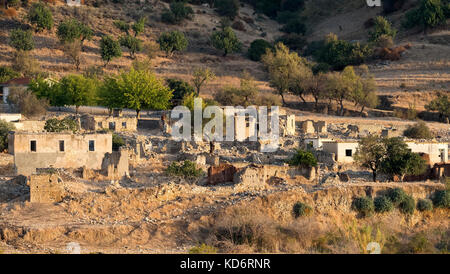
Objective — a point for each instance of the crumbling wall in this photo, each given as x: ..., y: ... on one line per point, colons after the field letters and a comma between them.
x: 115, y: 165
x: 118, y: 124
x: 46, y: 188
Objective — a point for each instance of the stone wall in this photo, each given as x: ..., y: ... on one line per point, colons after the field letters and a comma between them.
x: 46, y: 188
x: 119, y: 124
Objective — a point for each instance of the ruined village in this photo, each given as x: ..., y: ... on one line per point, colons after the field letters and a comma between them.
x: 112, y: 178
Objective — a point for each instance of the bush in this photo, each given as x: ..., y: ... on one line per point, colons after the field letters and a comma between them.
x: 258, y: 48
x: 64, y: 125
x: 5, y: 128
x: 293, y: 41
x: 363, y: 205
x: 117, y: 142
x: 295, y: 26
x: 133, y: 44
x: 21, y: 40
x: 418, y: 131
x: 429, y: 14
x: 303, y: 158
x: 177, y: 13
x: 109, y: 49
x: 7, y: 73
x: 340, y: 53
x: 26, y: 102
x: 385, y: 41
x: 383, y: 204
x: 172, y: 41
x: 396, y: 195
x: 228, y: 8
x: 203, y: 249
x: 26, y: 64
x: 300, y: 209
x: 226, y: 40
x: 424, y: 205
x: 442, y: 199
x: 382, y: 27
x: 40, y: 16
x: 407, y: 205
x: 187, y: 169
x: 180, y: 88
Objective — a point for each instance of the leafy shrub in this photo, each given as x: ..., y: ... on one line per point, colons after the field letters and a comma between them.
x: 419, y: 243
x: 7, y: 73
x: 363, y: 205
x: 172, y: 41
x: 424, y: 205
x: 294, y: 41
x: 133, y: 44
x: 21, y: 40
x: 418, y: 131
x: 5, y: 128
x: 303, y: 158
x: 109, y: 49
x: 295, y: 26
x: 340, y: 53
x: 26, y: 64
x: 300, y: 209
x: 177, y: 13
x: 429, y: 14
x: 117, y: 142
x: 383, y: 204
x: 385, y: 41
x: 56, y: 125
x: 396, y: 195
x: 228, y: 8
x: 442, y: 199
x: 186, y: 169
x: 382, y: 27
x: 26, y: 102
x: 226, y: 40
x: 40, y: 16
x: 258, y: 48
x: 203, y: 249
x: 180, y: 88
x: 407, y: 205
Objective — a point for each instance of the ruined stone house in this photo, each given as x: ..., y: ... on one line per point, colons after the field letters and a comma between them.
x: 343, y: 150
x: 57, y: 150
x: 5, y: 87
x: 114, y: 123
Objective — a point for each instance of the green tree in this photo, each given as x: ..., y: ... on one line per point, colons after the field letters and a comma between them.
x: 303, y: 158
x: 429, y: 14
x: 364, y: 92
x: 228, y: 8
x: 49, y: 90
x: 109, y: 94
x: 284, y: 68
x: 5, y: 128
x: 226, y: 40
x: 40, y: 17
x: 244, y: 95
x: 21, y: 40
x: 109, y: 49
x: 139, y: 26
x: 400, y: 160
x: 258, y: 48
x: 200, y: 77
x: 370, y: 153
x: 340, y: 53
x: 172, y: 41
x: 78, y: 90
x: 132, y: 43
x: 441, y: 104
x: 177, y: 13
x: 71, y: 29
x: 180, y: 89
x: 382, y: 27
x: 140, y: 89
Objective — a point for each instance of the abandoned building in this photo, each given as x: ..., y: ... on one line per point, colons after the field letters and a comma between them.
x: 57, y: 150
x: 311, y: 127
x: 114, y: 123
x: 74, y: 3
x: 343, y: 150
x: 438, y: 152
